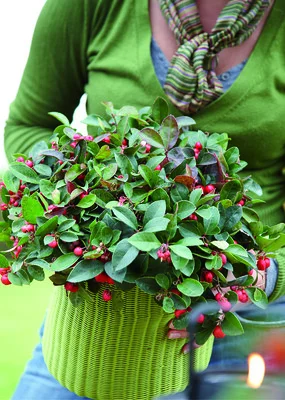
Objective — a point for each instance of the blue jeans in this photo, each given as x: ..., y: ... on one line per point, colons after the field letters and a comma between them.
x: 37, y: 383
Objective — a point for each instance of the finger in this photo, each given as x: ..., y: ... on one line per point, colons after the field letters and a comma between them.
x: 171, y: 326
x: 177, y: 334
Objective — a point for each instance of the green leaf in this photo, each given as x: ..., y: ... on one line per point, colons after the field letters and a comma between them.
x: 191, y: 287
x: 169, y: 132
x: 148, y: 285
x: 160, y: 110
x: 31, y: 209
x: 15, y: 279
x: 76, y: 298
x: 36, y: 272
x: 168, y: 305
x: 178, y: 262
x: 74, y: 172
x: 65, y: 225
x: 185, y: 208
x: 156, y: 225
x: 87, y: 201
x: 43, y: 169
x: 4, y: 262
x: 145, y: 241
x: 104, y: 153
x: 63, y: 262
x: 211, y: 224
x: 85, y: 270
x: 155, y: 210
x: 123, y: 255
x: 41, y: 263
x: 148, y: 175
x: 118, y: 276
x: 231, y: 325
x: 184, y: 121
x: 24, y: 173
x: 110, y: 171
x: 163, y: 281
x: 152, y: 137
x: 230, y: 190
x: 181, y: 251
x: 11, y: 182
x: 68, y: 237
x: 126, y: 216
x: 232, y: 155
x: 60, y: 117
x: 220, y: 244
x: 229, y: 217
x: 179, y: 192
x: 191, y: 241
x: 46, y: 188
x: 96, y: 120
x: 271, y: 244
x: 236, y: 253
x: 48, y: 227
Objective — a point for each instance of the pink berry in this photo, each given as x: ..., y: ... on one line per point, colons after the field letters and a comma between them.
x: 71, y: 287
x: 53, y: 244
x: 20, y: 159
x: 73, y: 144
x: 106, y: 295
x: 29, y: 163
x: 3, y: 207
x: 201, y: 319
x: 89, y: 138
x: 30, y: 228
x: 251, y: 272
x: 78, y: 251
x: 106, y: 140
x: 240, y: 203
x: 223, y: 258
x: 218, y: 333
x: 147, y: 148
x: 158, y: 167
x: 77, y: 136
x: 196, y: 153
x: 24, y: 229
x: 5, y: 280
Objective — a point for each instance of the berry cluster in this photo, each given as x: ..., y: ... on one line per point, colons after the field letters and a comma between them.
x: 164, y: 253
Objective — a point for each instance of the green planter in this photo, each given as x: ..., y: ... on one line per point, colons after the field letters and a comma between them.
x: 103, y: 354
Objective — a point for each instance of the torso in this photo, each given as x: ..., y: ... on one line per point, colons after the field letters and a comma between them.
x: 228, y: 57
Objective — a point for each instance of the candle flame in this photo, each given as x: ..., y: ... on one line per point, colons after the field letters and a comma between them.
x: 256, y: 370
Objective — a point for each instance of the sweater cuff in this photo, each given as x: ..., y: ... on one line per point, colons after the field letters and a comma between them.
x: 279, y: 289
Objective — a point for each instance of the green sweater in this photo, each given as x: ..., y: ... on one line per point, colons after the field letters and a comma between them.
x: 102, y: 48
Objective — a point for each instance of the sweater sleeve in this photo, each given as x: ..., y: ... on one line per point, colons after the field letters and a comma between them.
x: 54, y: 76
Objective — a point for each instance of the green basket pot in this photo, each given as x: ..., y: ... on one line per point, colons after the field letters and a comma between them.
x: 97, y: 352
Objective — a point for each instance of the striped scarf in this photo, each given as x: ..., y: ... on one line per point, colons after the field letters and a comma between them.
x: 191, y: 82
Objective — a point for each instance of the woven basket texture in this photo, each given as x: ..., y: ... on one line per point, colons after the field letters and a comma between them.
x: 104, y: 354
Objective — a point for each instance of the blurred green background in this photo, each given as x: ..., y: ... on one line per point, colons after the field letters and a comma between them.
x: 22, y: 312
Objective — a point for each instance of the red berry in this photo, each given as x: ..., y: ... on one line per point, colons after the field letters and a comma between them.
x: 124, y: 142
x: 4, y: 271
x: 208, y: 276
x: 3, y: 207
x: 218, y: 296
x: 244, y: 298
x: 147, y: 148
x: 208, y: 189
x: 104, y: 278
x: 224, y: 258
x: 30, y: 228
x: 193, y: 217
x: 267, y: 261
x: 158, y: 167
x: 175, y: 291
x: 251, y: 271
x: 71, y: 287
x: 78, y: 251
x: 261, y: 264
x: 218, y: 333
x: 5, y: 280
x: 106, y: 295
x: 53, y: 244
x: 198, y: 146
x: 196, y: 153
x: 73, y: 144
x: 121, y: 176
x: 178, y: 313
x: 106, y: 140
x: 24, y: 229
x: 201, y: 319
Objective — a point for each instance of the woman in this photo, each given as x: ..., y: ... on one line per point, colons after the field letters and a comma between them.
x: 232, y: 81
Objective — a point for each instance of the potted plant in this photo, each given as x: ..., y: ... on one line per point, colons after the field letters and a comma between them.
x: 134, y: 224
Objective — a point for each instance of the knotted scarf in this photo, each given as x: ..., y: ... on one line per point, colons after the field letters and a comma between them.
x: 191, y: 81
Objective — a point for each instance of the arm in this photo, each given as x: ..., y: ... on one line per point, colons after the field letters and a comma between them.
x: 55, y: 74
